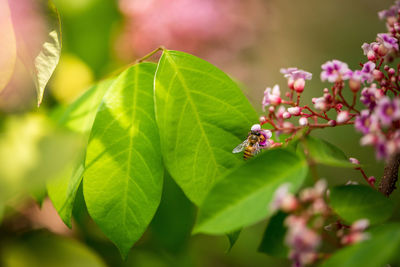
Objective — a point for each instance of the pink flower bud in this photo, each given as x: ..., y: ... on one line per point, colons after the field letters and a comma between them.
x: 271, y: 109
x: 303, y: 121
x: 360, y: 225
x: 391, y: 71
x: 287, y: 94
x: 275, y: 100
x: 371, y: 180
x: 354, y: 161
x: 342, y: 117
x: 295, y: 111
x: 378, y: 75
x: 371, y: 55
x: 299, y: 84
x: 291, y: 83
x: 332, y: 123
x: 326, y: 91
x: 263, y: 119
x: 289, y: 203
x: 354, y: 85
x: 286, y: 115
x: 382, y: 50
x: 256, y: 127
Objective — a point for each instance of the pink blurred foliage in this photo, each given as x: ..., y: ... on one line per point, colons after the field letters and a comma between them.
x: 29, y: 32
x: 201, y: 27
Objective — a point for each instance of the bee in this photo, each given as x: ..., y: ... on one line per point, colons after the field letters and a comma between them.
x: 251, y: 145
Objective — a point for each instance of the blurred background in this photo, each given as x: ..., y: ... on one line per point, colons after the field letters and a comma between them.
x: 250, y: 40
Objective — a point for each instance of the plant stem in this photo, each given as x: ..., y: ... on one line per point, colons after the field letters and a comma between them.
x: 390, y: 175
x: 161, y: 48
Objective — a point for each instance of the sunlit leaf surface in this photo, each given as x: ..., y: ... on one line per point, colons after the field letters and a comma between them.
x: 122, y: 183
x: 202, y: 115
x: 243, y: 197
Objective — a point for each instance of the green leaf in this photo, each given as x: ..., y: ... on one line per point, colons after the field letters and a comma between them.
x: 173, y: 222
x: 232, y: 238
x: 274, y: 235
x: 79, y: 117
x: 325, y: 153
x: 45, y: 250
x: 243, y: 197
x: 202, y: 115
x: 354, y: 202
x: 42, y: 65
x: 122, y: 183
x: 381, y: 249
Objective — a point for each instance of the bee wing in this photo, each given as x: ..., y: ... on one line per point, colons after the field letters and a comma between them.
x: 257, y: 149
x: 241, y: 147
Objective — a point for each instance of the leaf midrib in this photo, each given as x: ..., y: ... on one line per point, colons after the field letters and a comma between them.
x: 195, y: 111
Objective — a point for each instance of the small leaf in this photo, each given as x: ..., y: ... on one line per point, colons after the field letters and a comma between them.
x: 79, y: 117
x: 202, y: 115
x: 122, y: 183
x: 354, y: 202
x: 232, y: 238
x: 46, y: 61
x: 8, y: 51
x: 274, y: 236
x: 381, y: 249
x: 325, y: 153
x: 243, y: 197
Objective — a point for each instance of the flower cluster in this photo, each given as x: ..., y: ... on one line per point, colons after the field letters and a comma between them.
x: 379, y: 122
x: 376, y: 86
x: 281, y: 110
x: 308, y: 215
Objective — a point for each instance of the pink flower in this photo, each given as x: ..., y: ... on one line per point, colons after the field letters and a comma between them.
x: 335, y: 71
x: 369, y: 50
x: 296, y: 78
x: 388, y: 110
x: 354, y: 161
x: 272, y: 96
x: 388, y: 41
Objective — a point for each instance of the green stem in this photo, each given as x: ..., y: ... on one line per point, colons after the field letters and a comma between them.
x: 161, y: 48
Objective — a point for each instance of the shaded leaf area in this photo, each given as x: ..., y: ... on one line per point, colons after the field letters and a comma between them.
x: 37, y: 40
x: 202, y: 115
x: 381, y: 249
x: 79, y: 117
x: 33, y: 250
x: 244, y: 196
x: 32, y: 151
x: 122, y: 183
x: 273, y: 239
x: 172, y: 224
x: 323, y: 152
x: 354, y: 202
